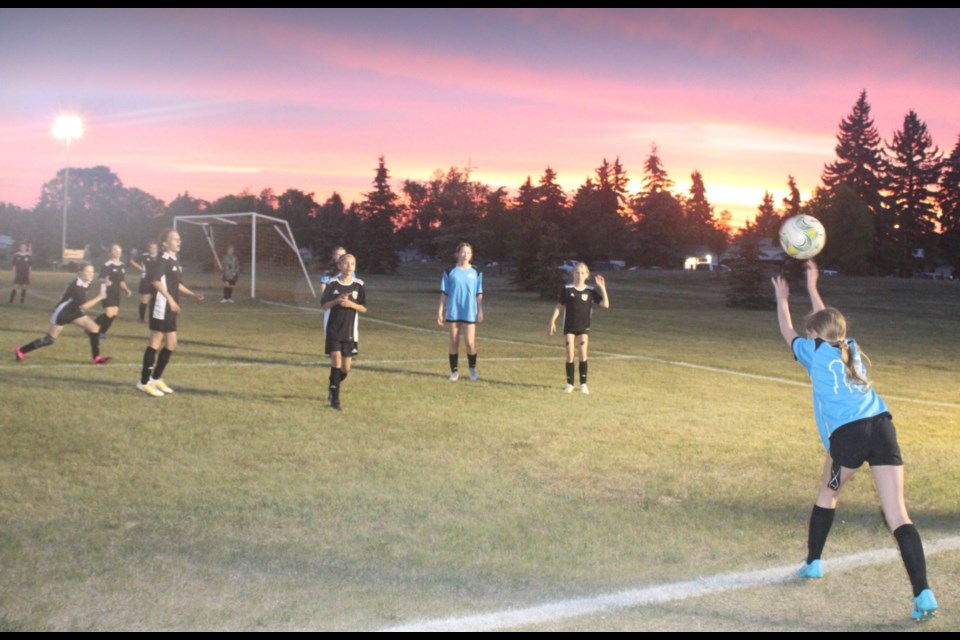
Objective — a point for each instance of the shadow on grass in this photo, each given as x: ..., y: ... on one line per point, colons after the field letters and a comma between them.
x: 442, y: 377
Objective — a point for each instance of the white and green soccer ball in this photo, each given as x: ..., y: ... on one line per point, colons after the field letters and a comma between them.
x: 802, y: 237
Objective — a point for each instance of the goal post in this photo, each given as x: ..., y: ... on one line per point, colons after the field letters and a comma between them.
x: 268, y: 251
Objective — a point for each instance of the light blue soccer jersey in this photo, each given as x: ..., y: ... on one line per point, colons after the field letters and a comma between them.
x: 327, y: 278
x: 462, y: 287
x: 836, y: 401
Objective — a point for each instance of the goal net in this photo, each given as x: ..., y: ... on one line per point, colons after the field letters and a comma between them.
x: 271, y: 266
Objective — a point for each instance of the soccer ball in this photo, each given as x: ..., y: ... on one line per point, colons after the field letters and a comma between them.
x: 802, y: 237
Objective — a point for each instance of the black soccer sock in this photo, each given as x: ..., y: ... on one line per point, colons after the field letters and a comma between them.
x: 472, y: 360
x: 45, y: 341
x: 149, y: 357
x: 226, y: 293
x: 569, y: 373
x: 821, y: 520
x: 106, y: 323
x: 94, y: 344
x: 162, y: 359
x: 23, y: 295
x: 335, y: 374
x: 101, y: 320
x: 454, y: 360
x: 583, y: 372
x: 911, y: 550
x: 343, y: 375
x: 13, y: 295
x: 143, y: 310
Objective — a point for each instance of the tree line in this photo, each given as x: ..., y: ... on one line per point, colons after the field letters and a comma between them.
x: 883, y: 204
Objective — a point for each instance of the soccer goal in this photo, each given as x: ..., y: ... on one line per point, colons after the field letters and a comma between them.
x: 271, y: 265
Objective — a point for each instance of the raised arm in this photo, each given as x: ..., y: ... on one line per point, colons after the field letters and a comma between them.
x: 602, y: 285
x: 782, y: 291
x: 813, y: 274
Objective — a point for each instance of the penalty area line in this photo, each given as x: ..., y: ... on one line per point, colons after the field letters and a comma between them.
x: 671, y: 592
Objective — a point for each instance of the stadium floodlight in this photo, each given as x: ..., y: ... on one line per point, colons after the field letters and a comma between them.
x: 66, y: 127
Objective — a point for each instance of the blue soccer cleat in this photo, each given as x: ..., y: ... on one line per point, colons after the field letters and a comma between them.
x: 811, y: 570
x: 924, y: 606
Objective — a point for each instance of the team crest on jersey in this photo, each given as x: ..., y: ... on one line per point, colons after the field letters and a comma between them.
x: 354, y: 294
x: 584, y: 296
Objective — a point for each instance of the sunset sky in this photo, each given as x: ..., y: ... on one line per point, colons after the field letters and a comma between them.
x: 214, y: 102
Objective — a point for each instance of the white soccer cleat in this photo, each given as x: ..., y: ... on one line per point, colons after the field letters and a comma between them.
x: 149, y: 389
x: 454, y: 376
x: 583, y: 389
x: 568, y: 388
x: 161, y: 385
x: 474, y: 376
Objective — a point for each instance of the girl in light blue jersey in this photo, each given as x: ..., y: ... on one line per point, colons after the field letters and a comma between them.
x: 855, y: 427
x: 333, y: 270
x: 461, y: 307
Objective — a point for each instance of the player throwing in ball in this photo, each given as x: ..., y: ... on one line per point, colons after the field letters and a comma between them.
x: 855, y: 427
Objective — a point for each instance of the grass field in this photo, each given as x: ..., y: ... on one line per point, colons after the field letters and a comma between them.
x: 242, y: 502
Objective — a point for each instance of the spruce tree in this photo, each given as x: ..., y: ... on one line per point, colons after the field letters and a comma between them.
x: 860, y: 162
x: 749, y: 283
x: 377, y: 253
x: 948, y: 199
x: 860, y: 165
x: 913, y: 173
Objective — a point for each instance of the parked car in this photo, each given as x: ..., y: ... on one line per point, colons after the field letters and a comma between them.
x: 608, y: 265
x: 706, y: 266
x: 567, y: 266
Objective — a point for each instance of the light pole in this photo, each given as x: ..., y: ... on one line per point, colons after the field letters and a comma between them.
x: 66, y: 128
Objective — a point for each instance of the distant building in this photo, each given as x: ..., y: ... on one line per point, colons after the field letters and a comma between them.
x: 769, y: 249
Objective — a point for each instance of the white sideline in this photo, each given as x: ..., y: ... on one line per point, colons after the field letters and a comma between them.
x: 623, y: 356
x: 562, y: 609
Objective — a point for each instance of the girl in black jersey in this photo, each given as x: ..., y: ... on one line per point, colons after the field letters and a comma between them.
x: 21, y: 273
x: 72, y: 309
x: 145, y: 265
x: 342, y: 299
x: 164, y: 308
x: 113, y: 281
x: 576, y: 302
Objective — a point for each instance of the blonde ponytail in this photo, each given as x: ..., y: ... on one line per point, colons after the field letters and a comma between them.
x: 830, y: 325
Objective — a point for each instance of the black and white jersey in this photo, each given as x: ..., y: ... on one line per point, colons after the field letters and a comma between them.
x: 148, y: 261
x: 167, y: 271
x: 578, y: 307
x: 112, y: 274
x: 340, y: 323
x: 21, y: 268
x: 70, y: 305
